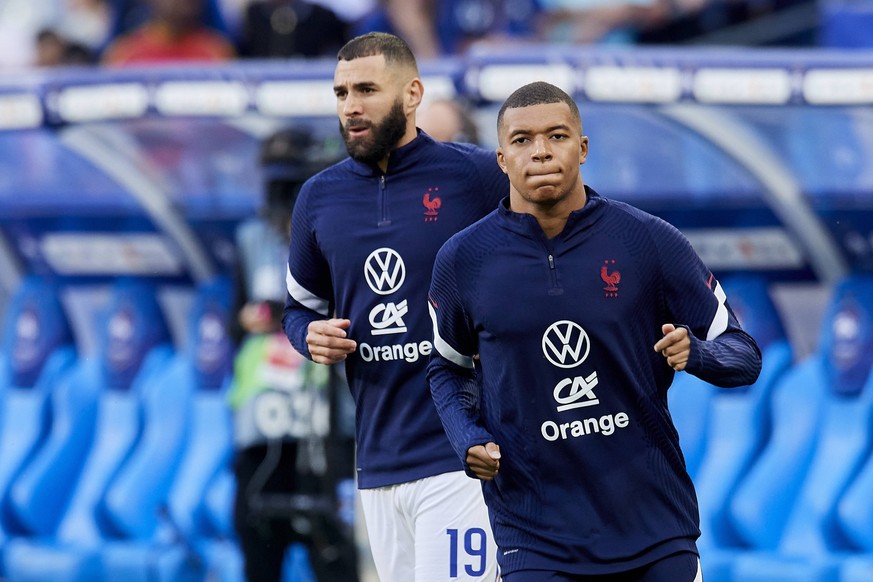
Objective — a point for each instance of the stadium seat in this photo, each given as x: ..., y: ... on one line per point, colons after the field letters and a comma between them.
x: 37, y: 352
x: 855, y: 514
x: 104, y: 403
x: 170, y: 548
x: 738, y: 425
x: 823, y: 414
x: 222, y: 554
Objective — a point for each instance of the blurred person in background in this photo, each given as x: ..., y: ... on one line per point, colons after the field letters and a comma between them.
x: 55, y: 50
x: 448, y: 27
x: 20, y: 24
x: 50, y: 48
x: 174, y: 31
x: 290, y: 28
x: 600, y: 21
x: 735, y: 22
x: 128, y: 15
x: 294, y: 452
x: 85, y: 23
x: 449, y: 120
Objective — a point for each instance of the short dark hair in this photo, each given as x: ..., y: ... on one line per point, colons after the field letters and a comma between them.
x: 537, y: 93
x: 393, y: 48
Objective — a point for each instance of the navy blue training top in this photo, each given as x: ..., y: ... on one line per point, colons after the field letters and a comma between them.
x: 592, y: 480
x: 362, y: 247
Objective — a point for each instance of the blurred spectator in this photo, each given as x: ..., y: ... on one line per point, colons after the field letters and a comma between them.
x: 85, y: 23
x: 173, y: 32
x: 348, y: 10
x: 736, y: 22
x: 54, y: 50
x: 78, y: 54
x: 128, y: 15
x: 291, y: 28
x: 446, y: 27
x: 600, y: 21
x: 20, y: 23
x: 448, y: 120
x: 50, y: 47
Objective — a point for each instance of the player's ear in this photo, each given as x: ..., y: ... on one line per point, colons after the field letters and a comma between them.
x: 583, y: 149
x: 413, y: 94
x: 501, y: 160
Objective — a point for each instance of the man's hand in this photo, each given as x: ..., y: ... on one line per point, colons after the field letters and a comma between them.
x: 484, y: 460
x: 327, y: 341
x: 675, y: 346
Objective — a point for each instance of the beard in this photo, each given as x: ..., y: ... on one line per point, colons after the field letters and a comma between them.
x: 382, y: 139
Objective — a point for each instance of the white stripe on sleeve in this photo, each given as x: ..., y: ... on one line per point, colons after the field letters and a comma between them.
x: 444, y: 349
x: 720, y: 320
x: 305, y: 297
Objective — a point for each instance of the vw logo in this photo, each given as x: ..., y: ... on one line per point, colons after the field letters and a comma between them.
x: 384, y: 271
x: 565, y: 344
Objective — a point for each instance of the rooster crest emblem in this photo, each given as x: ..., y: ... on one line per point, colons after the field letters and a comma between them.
x: 431, y: 205
x: 611, y: 279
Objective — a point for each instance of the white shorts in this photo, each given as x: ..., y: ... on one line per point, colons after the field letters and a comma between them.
x: 435, y: 529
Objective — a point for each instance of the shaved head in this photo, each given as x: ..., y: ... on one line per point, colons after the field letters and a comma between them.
x: 394, y: 49
x: 538, y: 93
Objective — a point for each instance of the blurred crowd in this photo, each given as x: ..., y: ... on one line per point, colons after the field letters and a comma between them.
x: 48, y: 33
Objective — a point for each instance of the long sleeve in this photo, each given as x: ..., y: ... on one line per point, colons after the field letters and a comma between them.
x: 732, y: 359
x: 721, y: 352
x: 307, y: 278
x: 451, y: 372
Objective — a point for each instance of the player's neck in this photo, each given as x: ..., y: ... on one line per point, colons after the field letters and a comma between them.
x: 551, y: 215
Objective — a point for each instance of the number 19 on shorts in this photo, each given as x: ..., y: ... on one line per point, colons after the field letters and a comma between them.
x: 468, y: 550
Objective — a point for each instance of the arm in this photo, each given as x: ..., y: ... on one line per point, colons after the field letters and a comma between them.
x: 306, y: 317
x: 702, y: 336
x: 728, y: 361
x: 414, y: 21
x: 452, y: 377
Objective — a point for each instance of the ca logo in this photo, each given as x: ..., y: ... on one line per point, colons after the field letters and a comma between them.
x: 388, y: 318
x: 579, y: 387
x: 565, y: 344
x: 384, y: 271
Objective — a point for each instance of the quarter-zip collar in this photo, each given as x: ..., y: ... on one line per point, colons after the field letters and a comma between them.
x: 527, y: 226
x: 398, y: 160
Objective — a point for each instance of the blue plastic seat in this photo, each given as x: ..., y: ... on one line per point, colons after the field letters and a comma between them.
x: 739, y: 425
x: 855, y: 515
x: 171, y: 548
x: 103, y: 404
x: 37, y: 352
x: 823, y: 411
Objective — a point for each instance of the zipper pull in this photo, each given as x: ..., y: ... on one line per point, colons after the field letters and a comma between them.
x: 551, y: 262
